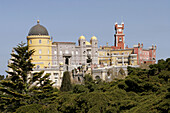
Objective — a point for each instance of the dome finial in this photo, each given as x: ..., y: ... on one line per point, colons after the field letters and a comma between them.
x: 38, y: 21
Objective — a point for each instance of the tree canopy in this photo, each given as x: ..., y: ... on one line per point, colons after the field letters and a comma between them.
x: 143, y: 90
x: 21, y: 87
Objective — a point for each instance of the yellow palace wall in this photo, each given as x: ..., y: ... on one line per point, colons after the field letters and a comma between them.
x: 113, y: 57
x: 43, y: 51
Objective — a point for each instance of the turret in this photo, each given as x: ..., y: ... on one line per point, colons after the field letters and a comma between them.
x: 119, y: 36
x: 83, y: 53
x: 82, y: 41
x: 39, y: 40
x: 94, y: 43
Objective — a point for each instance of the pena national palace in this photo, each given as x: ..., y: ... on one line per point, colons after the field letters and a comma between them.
x: 101, y: 62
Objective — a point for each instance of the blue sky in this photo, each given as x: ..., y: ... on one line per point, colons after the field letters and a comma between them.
x: 146, y: 21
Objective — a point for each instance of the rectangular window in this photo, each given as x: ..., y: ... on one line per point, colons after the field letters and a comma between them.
x: 56, y: 74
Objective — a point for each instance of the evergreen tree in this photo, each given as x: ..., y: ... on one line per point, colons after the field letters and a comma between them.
x: 66, y: 82
x: 19, y: 86
x: 16, y: 86
x: 1, y: 77
x: 42, y: 89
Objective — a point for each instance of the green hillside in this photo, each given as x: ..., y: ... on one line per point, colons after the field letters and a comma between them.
x: 142, y: 91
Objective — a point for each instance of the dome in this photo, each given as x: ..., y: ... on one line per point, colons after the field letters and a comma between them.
x: 61, y: 63
x: 38, y: 30
x: 93, y: 38
x: 82, y: 37
x: 88, y: 43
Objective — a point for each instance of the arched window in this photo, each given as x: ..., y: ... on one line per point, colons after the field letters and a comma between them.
x: 76, y: 52
x: 119, y: 30
x: 120, y: 39
x: 60, y: 52
x: 40, y: 51
x: 38, y: 66
x: 48, y: 52
x: 55, y: 52
x: 96, y: 53
x: 97, y: 77
x: 66, y: 52
x: 30, y: 41
x: 39, y: 41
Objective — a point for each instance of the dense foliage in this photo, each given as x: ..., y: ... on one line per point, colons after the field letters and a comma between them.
x: 21, y: 88
x: 143, y: 90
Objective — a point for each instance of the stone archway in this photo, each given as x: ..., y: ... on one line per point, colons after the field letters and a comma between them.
x: 97, y: 77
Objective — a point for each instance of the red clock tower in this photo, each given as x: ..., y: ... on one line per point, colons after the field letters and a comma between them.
x: 119, y: 36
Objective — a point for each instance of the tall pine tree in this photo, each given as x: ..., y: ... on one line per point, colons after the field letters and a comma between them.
x: 66, y: 82
x: 21, y: 85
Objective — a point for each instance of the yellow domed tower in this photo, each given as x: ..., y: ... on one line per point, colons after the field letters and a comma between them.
x: 39, y: 40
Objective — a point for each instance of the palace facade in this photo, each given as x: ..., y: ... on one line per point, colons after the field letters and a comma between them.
x: 121, y: 55
x: 57, y: 57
